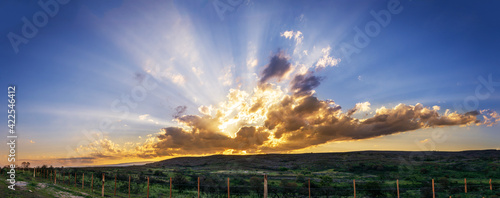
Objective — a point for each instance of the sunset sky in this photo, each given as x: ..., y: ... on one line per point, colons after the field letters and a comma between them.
x: 125, y: 81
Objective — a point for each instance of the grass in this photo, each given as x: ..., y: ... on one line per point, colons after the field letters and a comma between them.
x: 379, y: 169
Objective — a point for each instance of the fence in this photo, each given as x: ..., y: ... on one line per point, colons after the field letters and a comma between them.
x: 128, y: 186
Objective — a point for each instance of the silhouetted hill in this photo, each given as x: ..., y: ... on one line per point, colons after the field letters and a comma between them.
x: 323, y: 161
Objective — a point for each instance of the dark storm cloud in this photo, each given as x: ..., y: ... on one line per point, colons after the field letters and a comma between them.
x: 303, y: 84
x: 277, y: 67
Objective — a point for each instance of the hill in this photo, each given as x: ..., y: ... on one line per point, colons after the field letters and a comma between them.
x: 339, y: 161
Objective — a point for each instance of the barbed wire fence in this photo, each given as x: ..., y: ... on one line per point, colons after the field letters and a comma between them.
x: 106, y: 183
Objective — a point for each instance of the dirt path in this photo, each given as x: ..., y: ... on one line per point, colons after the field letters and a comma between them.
x: 58, y: 193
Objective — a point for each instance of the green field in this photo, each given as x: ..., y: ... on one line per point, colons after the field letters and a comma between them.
x: 289, y: 175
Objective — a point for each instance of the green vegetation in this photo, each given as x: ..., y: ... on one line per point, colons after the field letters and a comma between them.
x: 327, y: 174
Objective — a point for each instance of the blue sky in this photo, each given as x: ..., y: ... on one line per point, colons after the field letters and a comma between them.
x: 92, y: 54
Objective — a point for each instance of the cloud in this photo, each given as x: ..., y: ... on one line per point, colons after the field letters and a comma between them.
x: 100, y: 148
x: 277, y: 68
x: 197, y: 71
x: 270, y: 118
x: 303, y: 84
x: 175, y: 78
x: 320, y: 123
x: 144, y: 117
x: 437, y: 108
x: 287, y: 34
x: 227, y: 78
x: 327, y: 60
x: 252, y: 63
x: 176, y: 140
x: 296, y: 35
x: 490, y: 117
x: 363, y: 107
x: 298, y: 121
x: 205, y: 110
x: 179, y: 110
x: 424, y: 141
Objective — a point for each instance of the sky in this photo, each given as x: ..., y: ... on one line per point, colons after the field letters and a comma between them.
x: 118, y: 82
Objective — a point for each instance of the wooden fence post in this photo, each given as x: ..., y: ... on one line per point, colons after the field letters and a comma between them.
x: 397, y: 184
x: 75, y: 179
x: 55, y: 177
x: 148, y: 188
x: 491, y: 187
x: 228, y: 191
x: 34, y: 171
x: 354, y: 184
x: 102, y: 184
x: 170, y: 187
x: 309, y: 187
x: 114, y: 193
x: 198, y: 187
x: 465, y: 184
x: 433, y: 192
x: 92, y: 184
x: 83, y: 179
x: 265, y: 186
x: 128, y: 186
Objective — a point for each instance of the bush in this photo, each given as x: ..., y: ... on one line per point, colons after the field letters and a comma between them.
x: 180, y: 182
x: 158, y: 173
x: 373, y: 189
x: 257, y: 184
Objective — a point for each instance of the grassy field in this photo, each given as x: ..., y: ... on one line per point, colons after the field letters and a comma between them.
x: 327, y: 174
